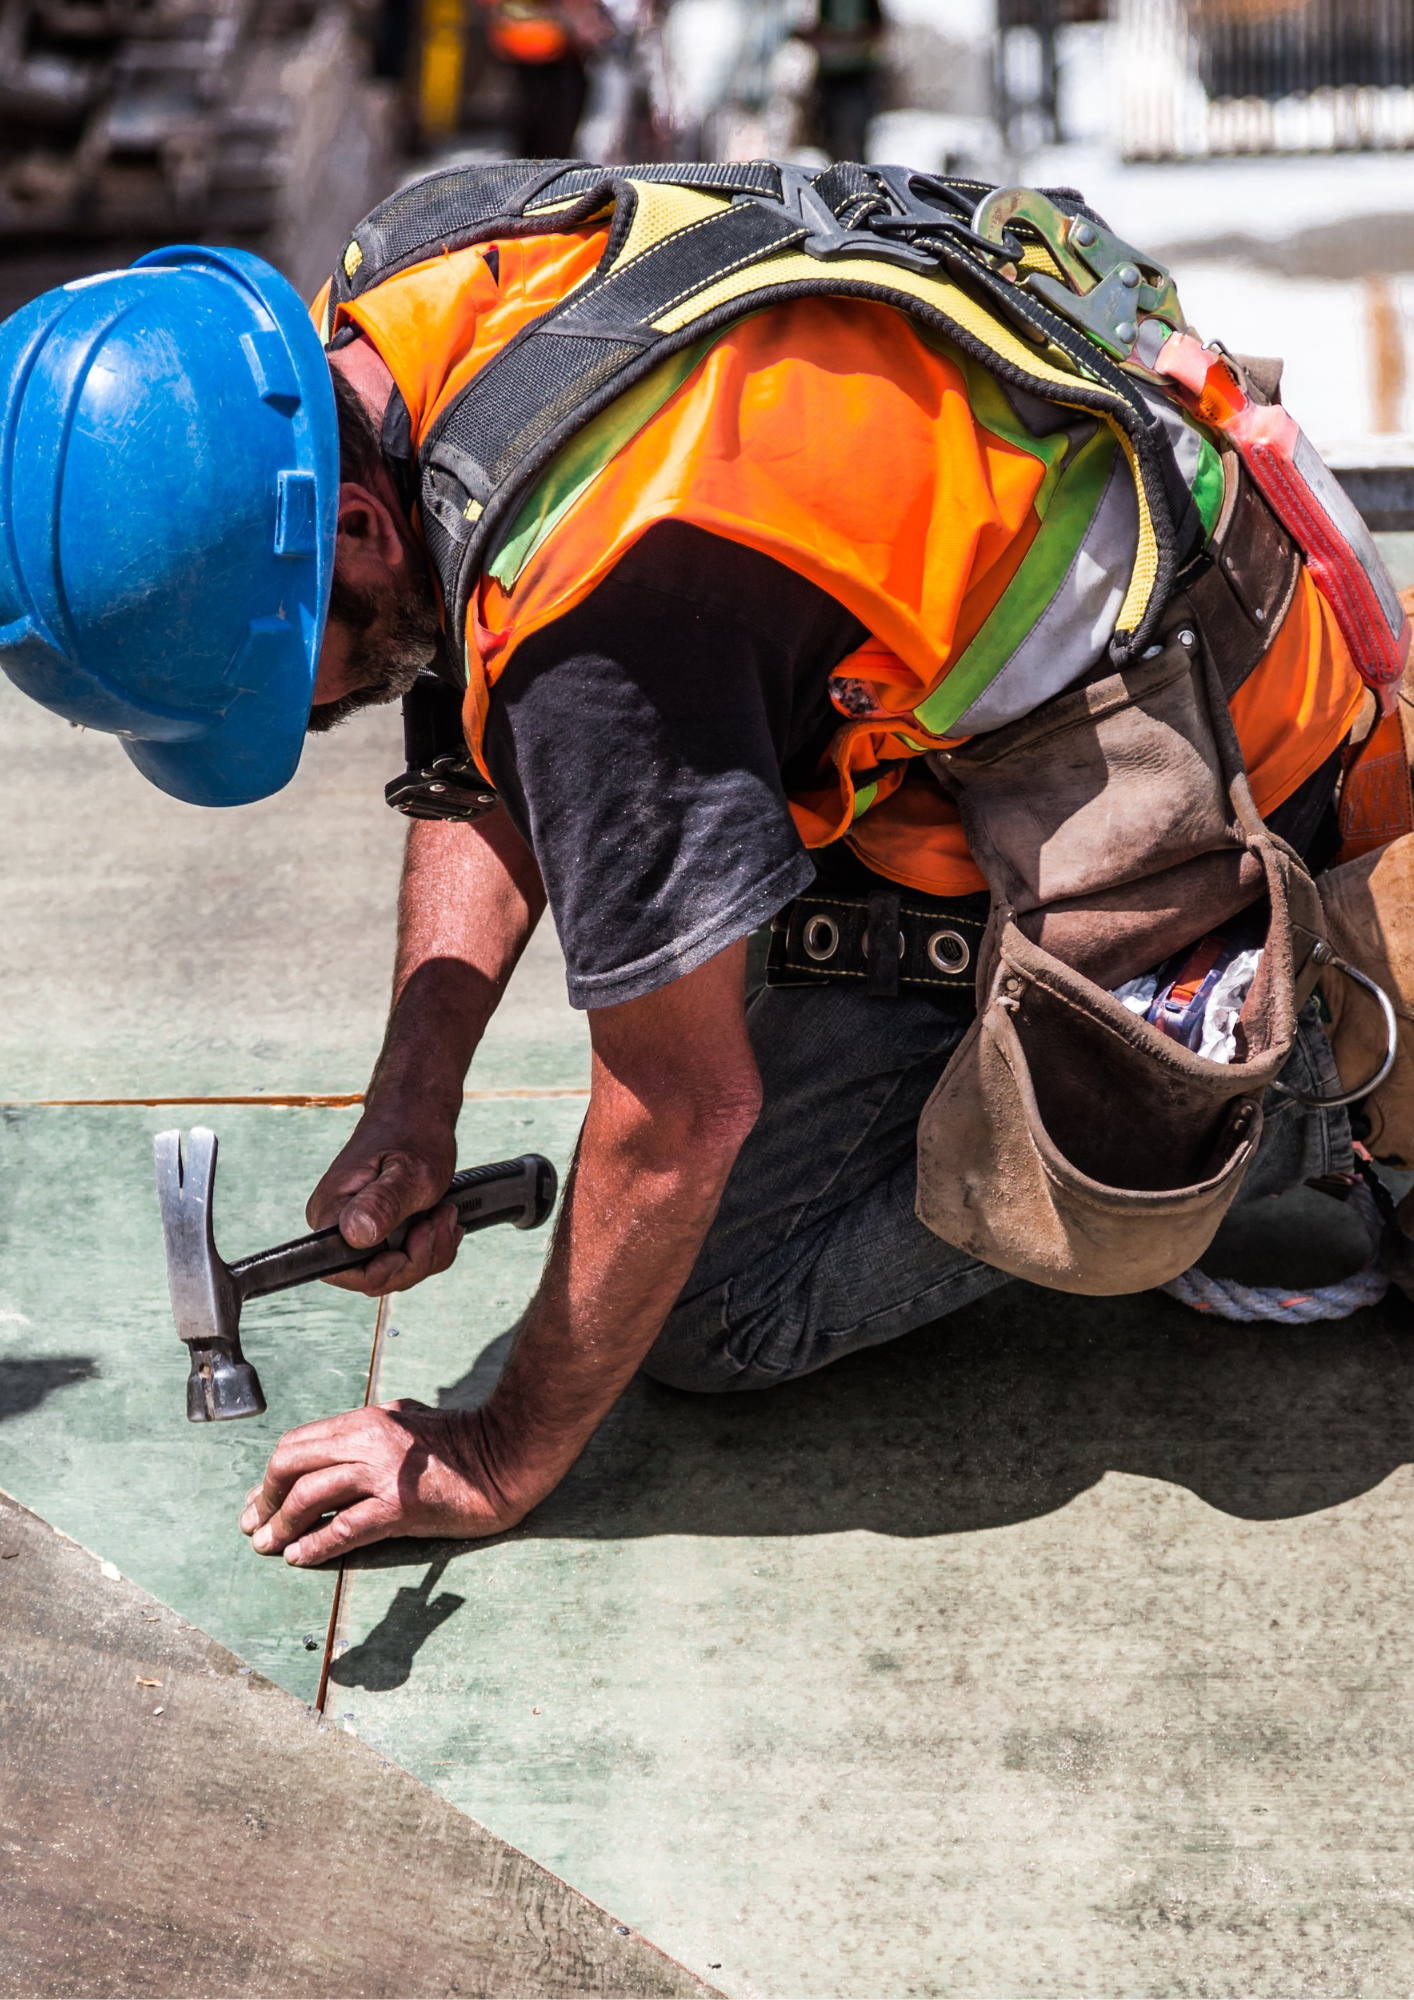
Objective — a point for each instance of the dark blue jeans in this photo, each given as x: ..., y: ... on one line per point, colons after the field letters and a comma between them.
x: 816, y: 1250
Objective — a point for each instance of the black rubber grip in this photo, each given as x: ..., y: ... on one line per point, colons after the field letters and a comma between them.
x: 519, y: 1191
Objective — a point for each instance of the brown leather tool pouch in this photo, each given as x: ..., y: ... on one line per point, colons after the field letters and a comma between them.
x: 1068, y: 1141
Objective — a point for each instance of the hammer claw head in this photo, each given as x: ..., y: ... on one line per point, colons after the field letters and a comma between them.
x: 205, y: 1302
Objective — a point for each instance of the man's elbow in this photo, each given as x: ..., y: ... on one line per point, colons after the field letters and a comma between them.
x: 723, y: 1121
x: 695, y: 1131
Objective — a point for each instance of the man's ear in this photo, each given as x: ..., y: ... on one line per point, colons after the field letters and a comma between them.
x: 370, y: 548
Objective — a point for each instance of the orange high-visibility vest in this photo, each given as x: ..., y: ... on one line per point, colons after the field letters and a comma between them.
x: 833, y: 436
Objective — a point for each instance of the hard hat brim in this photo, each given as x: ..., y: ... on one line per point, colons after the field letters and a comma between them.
x: 255, y: 749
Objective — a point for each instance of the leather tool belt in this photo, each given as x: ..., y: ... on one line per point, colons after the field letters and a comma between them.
x: 1237, y: 596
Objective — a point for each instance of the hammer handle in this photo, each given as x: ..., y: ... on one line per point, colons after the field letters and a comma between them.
x: 520, y: 1191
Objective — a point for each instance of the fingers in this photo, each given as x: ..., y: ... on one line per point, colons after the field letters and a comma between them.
x: 397, y: 1468
x: 408, y: 1176
x: 429, y: 1247
x: 345, y: 1177
x: 402, y: 1186
x: 354, y: 1528
x: 308, y: 1500
x: 329, y: 1441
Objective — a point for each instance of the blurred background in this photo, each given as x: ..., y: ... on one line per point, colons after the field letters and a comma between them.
x: 1264, y: 147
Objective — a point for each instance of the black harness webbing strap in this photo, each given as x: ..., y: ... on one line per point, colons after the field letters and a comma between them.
x: 460, y: 206
x: 490, y: 445
x: 449, y: 210
x: 485, y: 451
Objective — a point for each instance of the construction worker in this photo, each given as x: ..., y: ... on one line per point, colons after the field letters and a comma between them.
x: 740, y: 597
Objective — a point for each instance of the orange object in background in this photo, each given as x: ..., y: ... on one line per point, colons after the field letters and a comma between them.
x: 526, y: 31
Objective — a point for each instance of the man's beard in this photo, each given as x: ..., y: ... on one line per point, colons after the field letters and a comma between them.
x: 389, y: 643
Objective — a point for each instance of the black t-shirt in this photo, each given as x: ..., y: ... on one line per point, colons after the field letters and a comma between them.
x: 643, y: 745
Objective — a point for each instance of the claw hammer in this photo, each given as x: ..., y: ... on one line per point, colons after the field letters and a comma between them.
x: 208, y: 1293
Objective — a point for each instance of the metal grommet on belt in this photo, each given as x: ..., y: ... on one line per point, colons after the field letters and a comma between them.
x: 949, y: 951
x: 820, y: 938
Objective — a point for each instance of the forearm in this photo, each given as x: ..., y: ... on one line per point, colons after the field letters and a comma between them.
x: 642, y: 1195
x: 471, y: 896
x: 675, y: 1092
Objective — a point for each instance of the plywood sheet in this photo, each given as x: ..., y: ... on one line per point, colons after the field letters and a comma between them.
x: 93, y: 1429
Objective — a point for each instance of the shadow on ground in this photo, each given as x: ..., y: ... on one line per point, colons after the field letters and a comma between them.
x: 383, y: 1659
x: 26, y: 1383
x: 1004, y: 1412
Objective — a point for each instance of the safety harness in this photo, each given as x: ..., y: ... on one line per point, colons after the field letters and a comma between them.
x: 694, y: 248
x: 1029, y: 283
x: 1067, y: 1141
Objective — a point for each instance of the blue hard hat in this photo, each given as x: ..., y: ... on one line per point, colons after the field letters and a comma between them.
x: 169, y: 482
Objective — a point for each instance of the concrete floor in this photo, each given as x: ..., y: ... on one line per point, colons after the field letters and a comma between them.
x: 1063, y: 1649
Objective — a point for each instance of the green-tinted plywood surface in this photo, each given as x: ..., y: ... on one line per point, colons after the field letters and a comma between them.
x: 93, y: 1429
x: 1061, y: 1650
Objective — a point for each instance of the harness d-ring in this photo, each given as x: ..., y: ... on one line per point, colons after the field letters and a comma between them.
x: 1325, y: 956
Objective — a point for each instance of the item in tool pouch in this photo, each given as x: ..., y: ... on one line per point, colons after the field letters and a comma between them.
x: 1196, y: 996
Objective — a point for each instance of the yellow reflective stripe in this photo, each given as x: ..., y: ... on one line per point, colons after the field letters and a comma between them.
x: 864, y: 798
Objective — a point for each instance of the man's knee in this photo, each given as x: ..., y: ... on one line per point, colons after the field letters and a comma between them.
x: 693, y: 1351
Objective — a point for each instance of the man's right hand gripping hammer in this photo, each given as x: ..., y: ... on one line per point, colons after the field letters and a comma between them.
x: 208, y: 1293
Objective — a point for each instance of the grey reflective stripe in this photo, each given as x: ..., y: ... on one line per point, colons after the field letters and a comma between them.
x: 1072, y: 633
x: 1184, y: 440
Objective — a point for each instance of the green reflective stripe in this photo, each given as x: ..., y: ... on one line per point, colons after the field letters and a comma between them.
x: 1208, y: 486
x: 864, y: 798
x: 1043, y: 570
x: 586, y: 455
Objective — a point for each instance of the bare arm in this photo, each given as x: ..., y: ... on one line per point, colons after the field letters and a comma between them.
x: 470, y: 898
x: 675, y: 1091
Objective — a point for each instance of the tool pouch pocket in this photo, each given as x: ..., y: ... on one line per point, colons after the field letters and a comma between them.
x: 1068, y: 1141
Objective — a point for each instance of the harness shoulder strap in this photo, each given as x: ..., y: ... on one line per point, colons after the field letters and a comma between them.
x: 460, y: 206
x: 692, y: 249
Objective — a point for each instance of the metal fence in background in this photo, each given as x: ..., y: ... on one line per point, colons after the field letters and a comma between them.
x: 1264, y: 76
